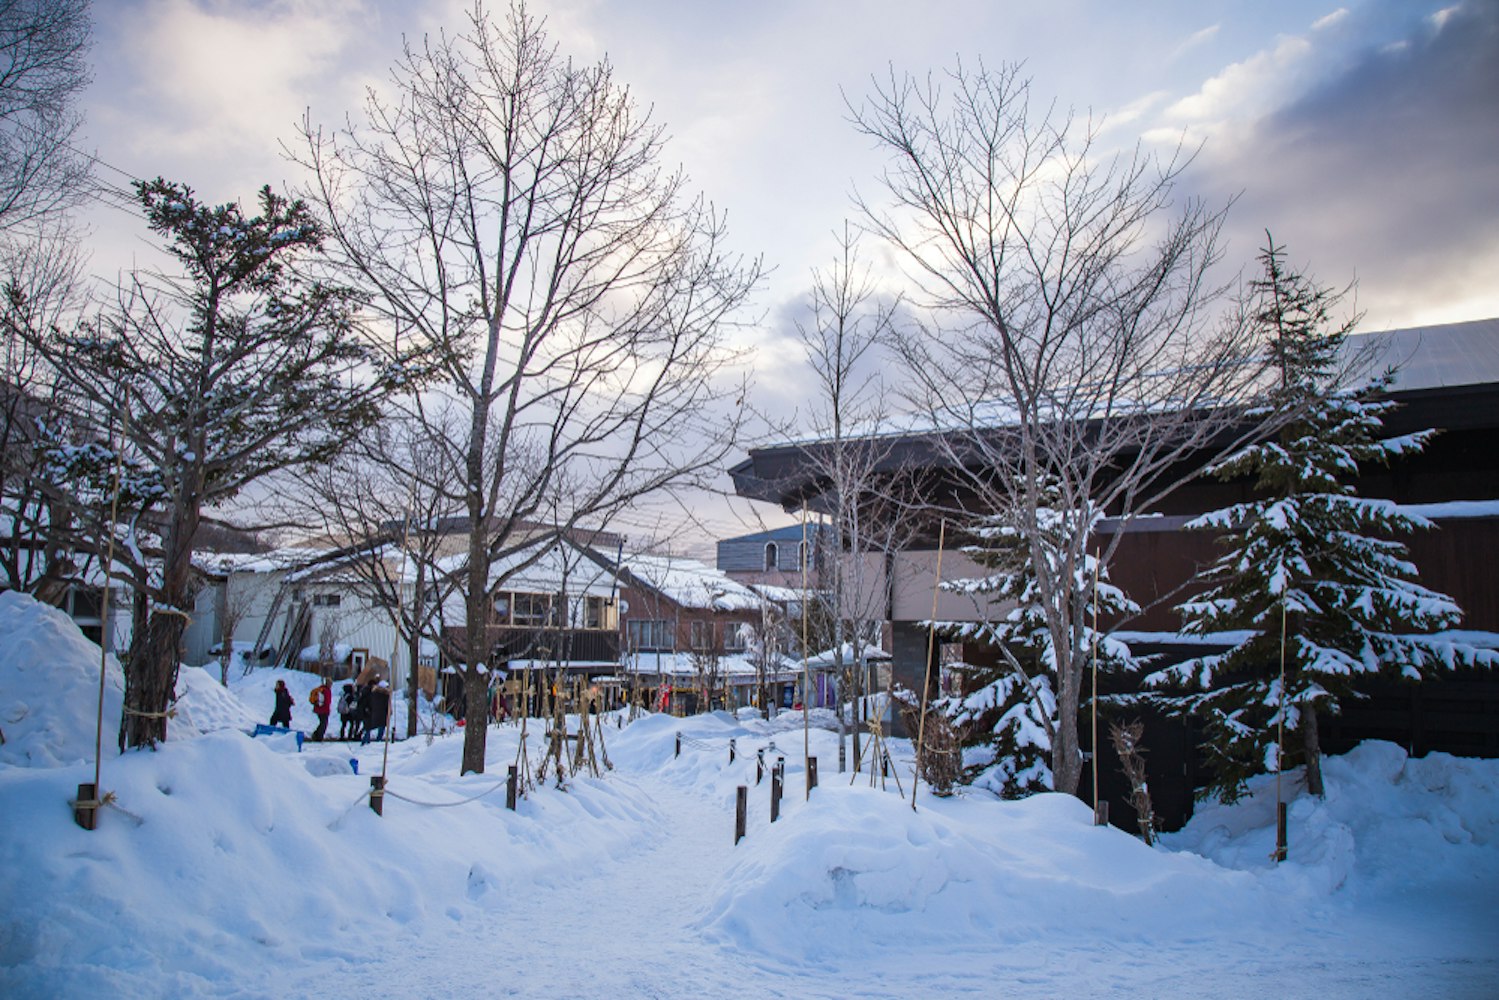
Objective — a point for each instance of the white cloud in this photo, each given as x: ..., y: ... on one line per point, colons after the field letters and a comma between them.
x: 225, y: 79
x: 1251, y: 87
x: 1194, y: 40
x: 1328, y: 20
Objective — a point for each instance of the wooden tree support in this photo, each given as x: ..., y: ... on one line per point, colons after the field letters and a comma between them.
x: 377, y: 794
x: 1281, y: 849
x: 86, y: 806
x: 741, y: 812
x: 510, y: 790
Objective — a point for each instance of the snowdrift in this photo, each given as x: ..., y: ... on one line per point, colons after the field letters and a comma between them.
x: 49, y: 687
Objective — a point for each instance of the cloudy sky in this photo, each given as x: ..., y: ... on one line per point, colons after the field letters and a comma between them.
x: 1364, y: 135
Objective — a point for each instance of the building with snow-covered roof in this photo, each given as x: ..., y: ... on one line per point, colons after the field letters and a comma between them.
x: 1447, y: 378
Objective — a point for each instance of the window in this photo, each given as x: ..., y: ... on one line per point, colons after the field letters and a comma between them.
x: 596, y: 612
x: 326, y: 600
x: 733, y: 636
x: 530, y: 609
x: 772, y: 556
x: 649, y: 635
x: 702, y: 635
x: 88, y: 602
x: 502, y: 609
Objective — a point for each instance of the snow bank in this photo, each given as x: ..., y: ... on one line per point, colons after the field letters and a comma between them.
x: 205, y: 706
x: 229, y: 854
x: 49, y: 687
x: 1382, y: 809
x: 855, y: 870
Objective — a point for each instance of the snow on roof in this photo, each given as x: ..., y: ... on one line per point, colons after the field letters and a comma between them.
x: 684, y: 665
x: 1433, y: 357
x: 780, y: 595
x: 561, y: 565
x: 692, y: 584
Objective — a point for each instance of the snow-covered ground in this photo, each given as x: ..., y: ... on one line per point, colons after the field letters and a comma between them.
x: 238, y: 867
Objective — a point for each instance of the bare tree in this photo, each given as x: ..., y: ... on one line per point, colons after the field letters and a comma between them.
x: 44, y: 47
x: 1071, y: 345
x: 863, y: 491
x: 512, y: 212
x: 43, y: 70
x: 386, y: 497
x: 39, y: 292
x: 235, y: 606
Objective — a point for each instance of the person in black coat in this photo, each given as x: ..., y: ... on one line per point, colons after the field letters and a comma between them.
x: 379, y: 714
x: 281, y: 714
x: 362, y: 711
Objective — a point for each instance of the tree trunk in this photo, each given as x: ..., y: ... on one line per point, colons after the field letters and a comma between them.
x: 1311, y: 746
x: 155, y: 651
x: 1066, y: 759
x: 475, y: 720
x: 151, y: 680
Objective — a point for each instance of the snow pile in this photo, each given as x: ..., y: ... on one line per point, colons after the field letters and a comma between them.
x: 49, y: 687
x: 204, y: 705
x: 1382, y: 809
x: 232, y: 860
x: 856, y: 869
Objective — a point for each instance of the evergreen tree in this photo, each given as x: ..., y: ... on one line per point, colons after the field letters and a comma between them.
x: 1311, y: 569
x: 204, y: 383
x: 1009, y: 717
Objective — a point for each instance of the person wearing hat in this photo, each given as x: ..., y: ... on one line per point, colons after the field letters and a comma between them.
x: 379, y: 712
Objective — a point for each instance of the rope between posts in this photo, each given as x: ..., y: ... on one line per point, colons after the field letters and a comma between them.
x: 170, y: 713
x: 443, y: 805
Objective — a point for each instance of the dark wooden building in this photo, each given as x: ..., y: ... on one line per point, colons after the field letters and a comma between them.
x: 1448, y: 380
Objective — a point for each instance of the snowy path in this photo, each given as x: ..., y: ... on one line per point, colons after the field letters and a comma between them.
x: 628, y: 924
x: 622, y: 928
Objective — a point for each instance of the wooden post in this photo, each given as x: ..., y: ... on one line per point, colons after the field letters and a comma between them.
x: 679, y: 745
x: 811, y: 774
x: 510, y: 783
x: 731, y: 750
x: 843, y: 753
x: 741, y: 811
x: 1101, y: 813
x: 377, y: 794
x: 759, y: 765
x: 86, y: 811
x: 1280, y: 832
x: 775, y: 794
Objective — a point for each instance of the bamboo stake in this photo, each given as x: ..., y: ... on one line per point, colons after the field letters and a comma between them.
x: 106, y: 626
x: 1095, y: 690
x: 1280, y: 744
x: 806, y: 668
x: 931, y: 648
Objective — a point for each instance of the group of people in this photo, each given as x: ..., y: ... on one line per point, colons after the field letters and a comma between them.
x: 363, y: 709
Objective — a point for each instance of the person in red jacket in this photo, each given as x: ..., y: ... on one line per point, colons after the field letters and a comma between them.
x: 322, y: 704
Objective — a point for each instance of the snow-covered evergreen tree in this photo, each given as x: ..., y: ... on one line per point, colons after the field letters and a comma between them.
x: 1009, y: 716
x: 1311, y: 568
